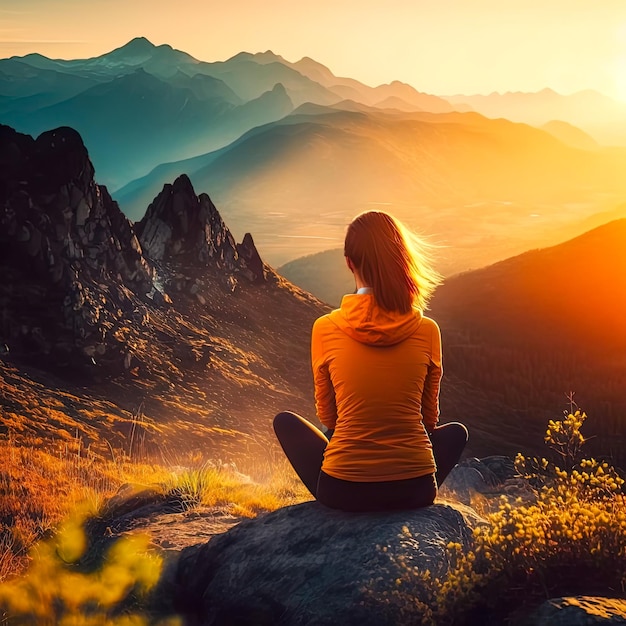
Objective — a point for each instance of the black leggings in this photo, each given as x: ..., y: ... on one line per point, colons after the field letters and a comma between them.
x: 304, y: 446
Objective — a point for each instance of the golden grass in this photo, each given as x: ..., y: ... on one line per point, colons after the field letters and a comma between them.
x: 40, y: 487
x: 226, y: 488
x: 46, y: 496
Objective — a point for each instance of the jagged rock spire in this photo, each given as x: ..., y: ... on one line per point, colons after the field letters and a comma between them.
x: 184, y: 228
x: 75, y: 281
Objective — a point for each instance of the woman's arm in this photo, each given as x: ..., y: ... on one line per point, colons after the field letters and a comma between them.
x: 325, y: 405
x: 430, y: 395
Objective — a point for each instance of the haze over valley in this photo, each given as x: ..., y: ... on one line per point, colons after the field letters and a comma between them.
x: 291, y: 152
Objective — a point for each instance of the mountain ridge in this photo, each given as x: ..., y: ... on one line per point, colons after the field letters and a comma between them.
x: 598, y: 115
x: 434, y: 171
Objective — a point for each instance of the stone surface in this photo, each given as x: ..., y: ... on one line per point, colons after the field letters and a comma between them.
x: 72, y: 269
x: 579, y: 611
x: 475, y: 481
x: 307, y: 564
x: 183, y: 228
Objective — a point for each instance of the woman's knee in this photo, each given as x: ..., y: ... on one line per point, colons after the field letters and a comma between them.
x: 286, y: 421
x: 452, y: 432
x: 460, y: 432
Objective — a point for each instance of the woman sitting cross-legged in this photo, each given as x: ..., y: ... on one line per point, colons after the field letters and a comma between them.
x: 377, y: 370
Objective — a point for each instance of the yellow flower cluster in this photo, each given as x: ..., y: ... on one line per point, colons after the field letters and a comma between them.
x: 565, y: 438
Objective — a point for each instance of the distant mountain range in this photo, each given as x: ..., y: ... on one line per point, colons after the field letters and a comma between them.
x: 141, y: 105
x: 488, y: 188
x: 293, y: 152
x: 598, y: 115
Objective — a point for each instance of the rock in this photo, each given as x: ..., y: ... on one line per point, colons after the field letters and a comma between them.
x: 63, y: 233
x: 254, y: 265
x: 131, y: 498
x: 307, y: 564
x: 179, y: 225
x: 183, y: 228
x: 488, y: 475
x: 579, y: 611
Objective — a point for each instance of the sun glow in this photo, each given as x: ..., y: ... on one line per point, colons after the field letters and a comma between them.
x: 620, y: 65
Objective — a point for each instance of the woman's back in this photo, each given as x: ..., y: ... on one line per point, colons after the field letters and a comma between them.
x: 376, y: 373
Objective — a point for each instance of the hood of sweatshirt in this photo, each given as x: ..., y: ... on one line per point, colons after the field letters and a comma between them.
x: 363, y: 320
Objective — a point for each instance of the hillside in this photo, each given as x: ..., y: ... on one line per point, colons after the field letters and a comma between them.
x: 156, y: 333
x: 523, y: 333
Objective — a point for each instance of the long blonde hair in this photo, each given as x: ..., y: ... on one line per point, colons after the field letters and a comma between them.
x: 391, y: 260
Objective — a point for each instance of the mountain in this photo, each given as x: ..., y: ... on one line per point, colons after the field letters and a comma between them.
x: 136, y: 121
x: 102, y: 321
x: 325, y: 275
x: 141, y: 105
x: 382, y: 96
x: 18, y: 79
x: 250, y: 78
x: 598, y: 115
x: 570, y: 135
x: 139, y: 53
x: 491, y: 187
x: 522, y: 334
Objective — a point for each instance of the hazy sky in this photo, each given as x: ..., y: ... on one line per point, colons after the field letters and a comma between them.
x: 438, y: 46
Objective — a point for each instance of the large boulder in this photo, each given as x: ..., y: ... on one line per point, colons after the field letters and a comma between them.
x: 307, y: 564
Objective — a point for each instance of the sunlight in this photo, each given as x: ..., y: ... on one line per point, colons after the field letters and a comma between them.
x: 619, y: 76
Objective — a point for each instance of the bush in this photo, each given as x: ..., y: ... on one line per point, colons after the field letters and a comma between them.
x: 570, y: 540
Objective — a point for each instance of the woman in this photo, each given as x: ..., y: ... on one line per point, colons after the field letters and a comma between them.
x: 376, y: 368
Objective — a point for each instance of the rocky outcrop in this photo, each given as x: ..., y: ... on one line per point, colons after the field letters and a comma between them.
x: 72, y: 268
x: 307, y: 564
x: 486, y: 478
x: 185, y: 229
x: 253, y: 267
x: 54, y: 214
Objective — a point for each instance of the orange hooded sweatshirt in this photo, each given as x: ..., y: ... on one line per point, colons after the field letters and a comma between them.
x: 376, y: 376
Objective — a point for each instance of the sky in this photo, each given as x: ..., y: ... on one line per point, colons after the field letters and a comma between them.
x: 443, y: 47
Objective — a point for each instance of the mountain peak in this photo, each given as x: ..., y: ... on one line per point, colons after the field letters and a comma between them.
x: 180, y: 226
x: 138, y: 44
x: 136, y: 49
x: 268, y: 57
x: 64, y: 239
